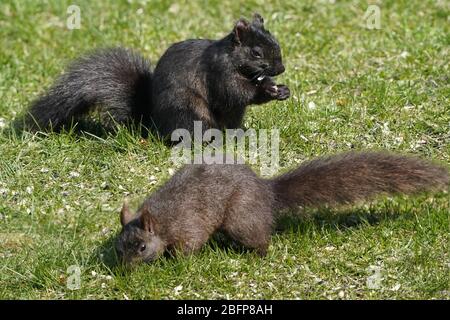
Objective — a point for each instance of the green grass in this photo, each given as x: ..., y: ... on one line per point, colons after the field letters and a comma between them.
x: 372, y: 89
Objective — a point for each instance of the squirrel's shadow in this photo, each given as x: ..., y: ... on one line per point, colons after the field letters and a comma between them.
x: 107, y: 254
x: 92, y: 129
x: 325, y: 219
x: 88, y: 127
x: 329, y: 219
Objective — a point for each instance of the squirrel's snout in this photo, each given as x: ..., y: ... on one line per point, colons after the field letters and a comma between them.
x: 276, y: 70
x: 279, y: 69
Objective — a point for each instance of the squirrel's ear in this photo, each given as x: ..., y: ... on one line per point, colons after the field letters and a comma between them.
x: 258, y: 21
x: 125, y: 214
x: 241, y: 27
x: 147, y: 220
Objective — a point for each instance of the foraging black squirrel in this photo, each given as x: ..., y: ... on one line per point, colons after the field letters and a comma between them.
x: 212, y: 81
x: 202, y: 199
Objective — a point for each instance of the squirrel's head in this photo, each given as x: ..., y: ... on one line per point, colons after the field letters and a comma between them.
x: 138, y: 241
x: 256, y: 53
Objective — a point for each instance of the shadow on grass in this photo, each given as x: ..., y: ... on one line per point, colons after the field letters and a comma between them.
x: 331, y: 219
x: 90, y: 127
x: 106, y: 253
x: 119, y: 137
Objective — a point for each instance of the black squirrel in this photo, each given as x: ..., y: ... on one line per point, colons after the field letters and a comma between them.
x: 212, y: 81
x: 239, y: 203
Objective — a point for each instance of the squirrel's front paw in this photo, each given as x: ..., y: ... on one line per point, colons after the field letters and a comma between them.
x: 274, y: 91
x: 271, y: 90
x: 283, y: 92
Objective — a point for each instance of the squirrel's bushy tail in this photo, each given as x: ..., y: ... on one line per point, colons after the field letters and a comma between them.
x: 116, y: 80
x: 351, y: 177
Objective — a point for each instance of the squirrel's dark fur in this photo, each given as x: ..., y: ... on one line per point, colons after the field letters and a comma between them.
x: 202, y: 199
x: 212, y: 81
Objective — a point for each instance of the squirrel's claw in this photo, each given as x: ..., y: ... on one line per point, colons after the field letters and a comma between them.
x: 283, y: 92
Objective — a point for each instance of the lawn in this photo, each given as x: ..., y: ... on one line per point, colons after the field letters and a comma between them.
x: 352, y: 88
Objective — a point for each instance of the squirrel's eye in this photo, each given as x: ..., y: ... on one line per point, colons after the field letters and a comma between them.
x: 142, y: 247
x: 257, y: 53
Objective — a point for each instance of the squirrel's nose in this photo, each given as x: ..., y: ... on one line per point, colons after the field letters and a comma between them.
x: 277, y: 69
x: 280, y: 69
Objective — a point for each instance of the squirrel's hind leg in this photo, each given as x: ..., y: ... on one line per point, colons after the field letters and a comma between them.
x: 250, y: 236
x: 249, y: 223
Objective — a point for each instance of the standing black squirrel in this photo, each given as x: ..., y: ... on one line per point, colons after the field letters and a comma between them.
x: 212, y: 81
x: 202, y: 199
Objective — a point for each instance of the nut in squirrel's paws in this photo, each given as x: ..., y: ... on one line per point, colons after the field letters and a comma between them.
x: 279, y: 92
x: 272, y: 91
